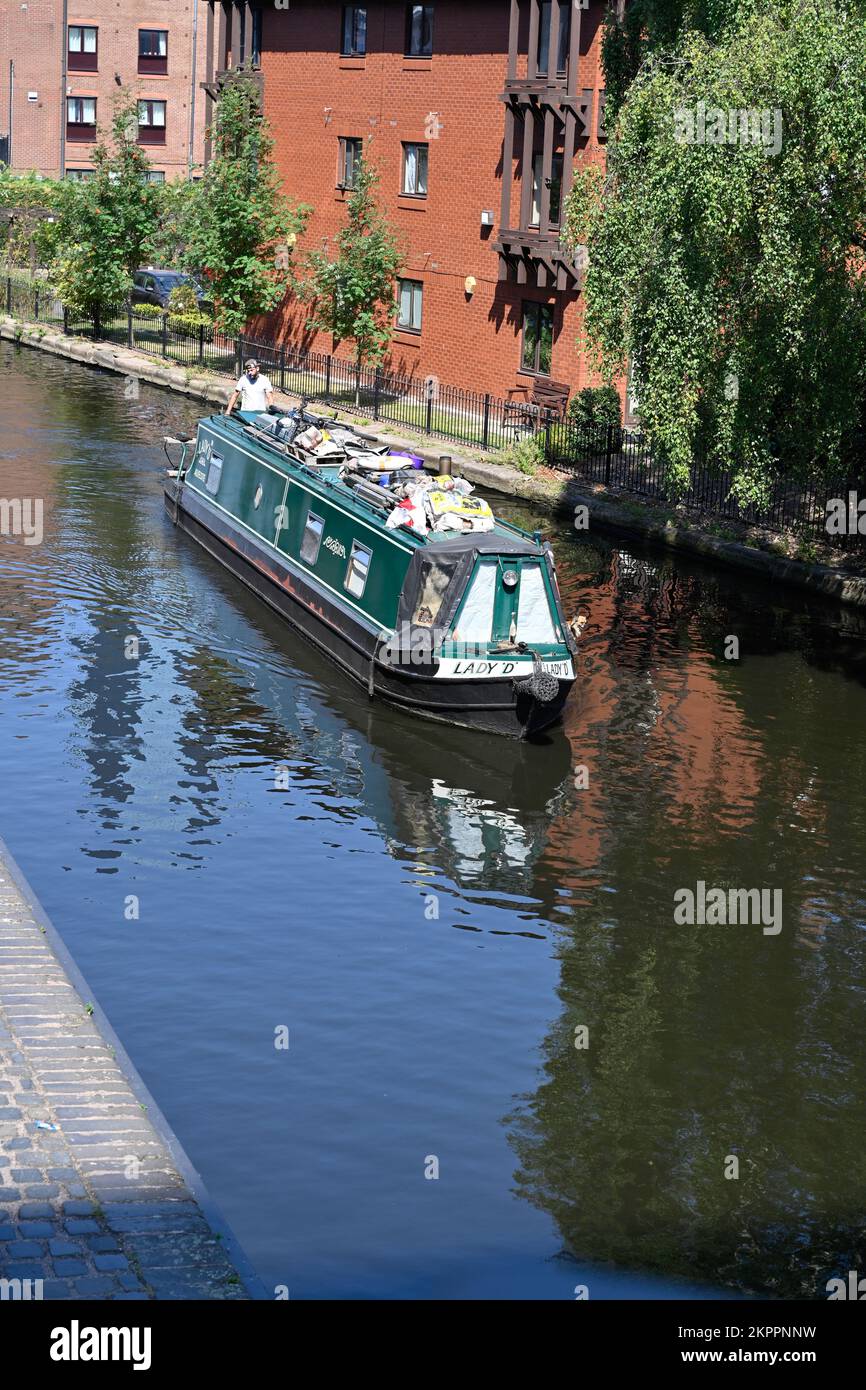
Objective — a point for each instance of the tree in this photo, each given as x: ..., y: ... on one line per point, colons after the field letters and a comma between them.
x: 240, y: 220
x: 178, y: 201
x: 726, y: 250
x: 351, y: 292
x: 104, y: 222
x: 27, y: 217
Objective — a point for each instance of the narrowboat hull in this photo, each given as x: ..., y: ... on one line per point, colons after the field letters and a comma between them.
x: 500, y: 705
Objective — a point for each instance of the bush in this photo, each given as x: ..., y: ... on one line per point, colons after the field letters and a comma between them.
x: 183, y: 301
x: 177, y: 321
x: 194, y: 320
x: 595, y: 407
x: 526, y: 455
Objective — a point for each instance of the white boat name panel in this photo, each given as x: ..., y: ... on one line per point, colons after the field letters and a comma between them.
x: 450, y: 668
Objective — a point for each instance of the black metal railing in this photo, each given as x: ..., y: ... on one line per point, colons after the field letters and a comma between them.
x: 624, y: 459
x: 619, y: 458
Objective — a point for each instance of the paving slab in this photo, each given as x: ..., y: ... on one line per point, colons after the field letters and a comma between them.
x: 98, y: 1199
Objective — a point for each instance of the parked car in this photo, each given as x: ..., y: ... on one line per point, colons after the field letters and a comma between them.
x: 151, y: 285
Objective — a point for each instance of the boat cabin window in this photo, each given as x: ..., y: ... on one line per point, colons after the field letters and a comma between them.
x: 475, y: 620
x: 359, y: 568
x: 214, y: 473
x: 312, y: 538
x: 435, y: 579
x: 534, y: 619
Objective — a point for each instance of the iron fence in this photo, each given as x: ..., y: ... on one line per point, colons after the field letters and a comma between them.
x: 624, y: 459
x: 606, y: 454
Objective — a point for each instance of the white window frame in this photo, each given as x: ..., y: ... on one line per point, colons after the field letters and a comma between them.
x: 153, y: 103
x: 83, y: 102
x: 163, y: 43
x: 349, y: 145
x: 349, y: 37
x: 417, y: 303
x: 82, y: 30
x: 421, y: 168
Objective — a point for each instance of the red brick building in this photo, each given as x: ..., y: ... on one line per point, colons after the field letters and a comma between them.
x: 62, y: 65
x: 475, y: 112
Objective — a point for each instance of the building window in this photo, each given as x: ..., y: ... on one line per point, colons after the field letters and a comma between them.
x: 415, y: 170
x: 77, y: 175
x: 154, y: 176
x: 81, y: 48
x: 358, y: 569
x: 153, y: 50
x: 537, y: 338
x: 351, y: 153
x: 312, y: 538
x: 410, y: 295
x: 354, y: 42
x: 419, y: 31
x: 256, y: 45
x: 81, y: 118
x: 555, y: 208
x: 544, y: 36
x: 151, y: 122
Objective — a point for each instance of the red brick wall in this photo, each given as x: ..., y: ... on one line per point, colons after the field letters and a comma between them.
x: 35, y: 39
x: 313, y: 96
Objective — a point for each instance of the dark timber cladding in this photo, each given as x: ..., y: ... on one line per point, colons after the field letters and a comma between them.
x: 548, y: 114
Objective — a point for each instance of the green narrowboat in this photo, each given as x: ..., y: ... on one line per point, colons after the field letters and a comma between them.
x: 464, y: 627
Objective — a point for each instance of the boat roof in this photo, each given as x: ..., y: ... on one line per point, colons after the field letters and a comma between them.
x: 505, y: 538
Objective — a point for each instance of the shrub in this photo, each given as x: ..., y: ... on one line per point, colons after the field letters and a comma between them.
x: 595, y: 407
x: 183, y: 300
x: 526, y: 455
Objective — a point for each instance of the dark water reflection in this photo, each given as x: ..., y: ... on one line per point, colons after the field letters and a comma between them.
x: 433, y: 915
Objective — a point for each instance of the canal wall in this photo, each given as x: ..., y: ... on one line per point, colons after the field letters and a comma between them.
x: 97, y: 1198
x: 641, y: 521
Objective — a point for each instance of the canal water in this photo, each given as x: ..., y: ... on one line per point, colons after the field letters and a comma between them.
x: 468, y: 946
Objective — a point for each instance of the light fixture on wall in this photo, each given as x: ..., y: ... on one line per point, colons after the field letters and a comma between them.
x: 469, y: 285
x: 487, y: 217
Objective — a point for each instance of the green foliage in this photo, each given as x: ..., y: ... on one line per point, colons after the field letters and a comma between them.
x: 351, y: 292
x: 178, y: 201
x: 177, y: 321
x: 193, y: 320
x: 527, y: 454
x: 26, y: 190
x: 731, y: 274
x: 647, y: 27
x: 182, y: 300
x: 104, y: 222
x: 239, y: 226
x: 27, y: 241
x: 595, y: 407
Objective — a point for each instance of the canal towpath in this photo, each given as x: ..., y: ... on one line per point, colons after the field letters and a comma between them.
x: 658, y: 526
x: 97, y: 1198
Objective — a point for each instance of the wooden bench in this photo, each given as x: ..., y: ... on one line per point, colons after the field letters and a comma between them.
x: 533, y: 410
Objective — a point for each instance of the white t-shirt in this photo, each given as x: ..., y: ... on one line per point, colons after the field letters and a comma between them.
x: 254, y: 394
